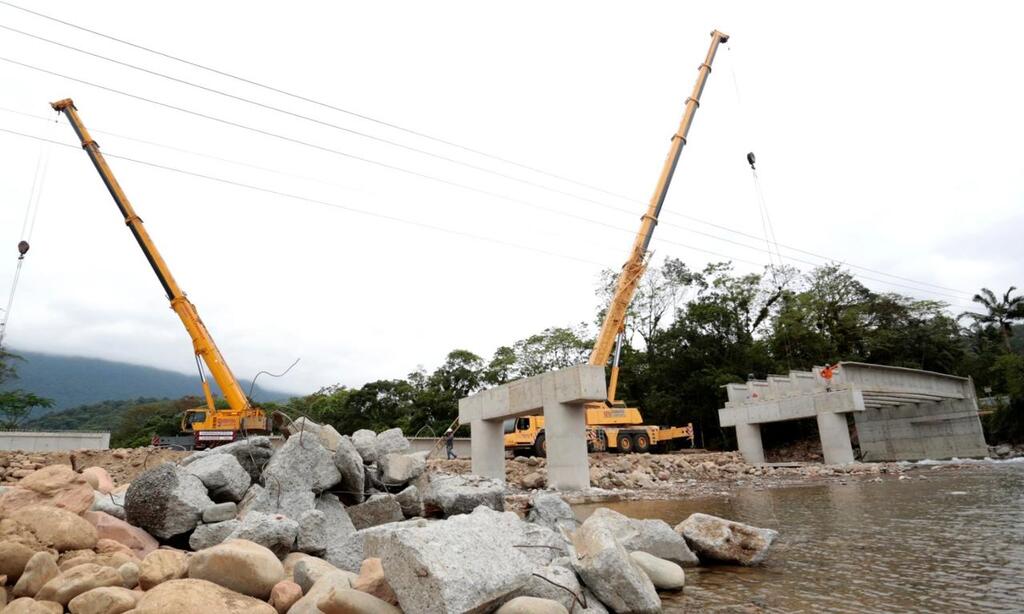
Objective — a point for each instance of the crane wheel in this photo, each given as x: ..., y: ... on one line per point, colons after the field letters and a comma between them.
x: 625, y: 444
x: 641, y: 443
x: 540, y: 446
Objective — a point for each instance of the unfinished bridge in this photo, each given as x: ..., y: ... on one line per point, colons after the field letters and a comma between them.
x: 899, y: 413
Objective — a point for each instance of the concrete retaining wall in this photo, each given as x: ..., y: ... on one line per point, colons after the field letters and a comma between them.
x: 423, y: 444
x: 53, y: 441
x: 918, y: 431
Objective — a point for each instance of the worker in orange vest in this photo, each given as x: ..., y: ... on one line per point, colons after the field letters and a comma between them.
x: 826, y: 373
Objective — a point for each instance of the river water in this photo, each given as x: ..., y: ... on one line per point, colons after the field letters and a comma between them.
x: 944, y: 539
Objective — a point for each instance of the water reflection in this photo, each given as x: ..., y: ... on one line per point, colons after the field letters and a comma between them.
x: 945, y: 540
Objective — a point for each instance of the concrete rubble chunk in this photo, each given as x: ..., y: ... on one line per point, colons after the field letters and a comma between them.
x: 723, y: 540
x: 242, y: 566
x: 665, y: 575
x: 350, y: 466
x: 302, y: 426
x: 312, y: 535
x: 460, y: 494
x: 207, y: 535
x: 166, y: 501
x: 391, y: 441
x: 551, y: 510
x: 348, y: 552
x: 605, y: 567
x: 224, y: 477
x: 538, y: 543
x: 302, y: 463
x: 652, y: 536
x: 220, y: 512
x: 329, y: 437
x: 365, y: 442
x: 397, y: 469
x: 410, y: 501
x: 460, y: 565
x: 377, y: 510
x: 192, y: 596
x: 346, y: 601
x: 109, y: 503
x: 252, y: 453
x: 272, y: 531
x: 277, y: 498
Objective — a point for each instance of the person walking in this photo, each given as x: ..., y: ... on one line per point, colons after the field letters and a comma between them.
x: 449, y: 443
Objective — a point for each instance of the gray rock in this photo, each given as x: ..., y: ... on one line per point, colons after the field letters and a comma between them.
x: 397, y: 469
x: 461, y: 494
x: 329, y: 437
x: 348, y: 553
x: 223, y: 476
x: 276, y: 500
x: 207, y: 535
x: 339, y: 529
x: 594, y: 605
x: 392, y: 441
x: 350, y: 466
x: 166, y: 501
x: 410, y: 502
x: 365, y: 442
x: 605, y: 567
x: 460, y: 565
x: 302, y: 463
x: 665, y: 575
x: 307, y: 571
x: 272, y: 531
x: 539, y: 544
x: 650, y: 535
x: 220, y: 512
x: 302, y: 426
x: 330, y: 582
x: 312, y: 537
x: 377, y: 510
x: 719, y: 539
x: 550, y: 587
x: 253, y: 454
x: 551, y: 511
x: 112, y: 503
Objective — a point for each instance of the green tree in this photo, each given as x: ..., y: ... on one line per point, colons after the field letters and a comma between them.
x: 999, y: 313
x: 15, y: 405
x: 551, y: 349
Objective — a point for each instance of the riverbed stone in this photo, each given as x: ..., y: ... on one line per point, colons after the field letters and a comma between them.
x: 532, y: 605
x: 652, y: 536
x: 551, y: 510
x: 724, y: 540
x: 224, y: 477
x: 28, y: 605
x: 665, y: 575
x: 284, y: 595
x: 391, y: 441
x: 460, y: 494
x: 350, y: 601
x: 327, y: 582
x: 459, y: 565
x: 39, y: 570
x: 14, y: 556
x: 377, y: 510
x: 57, y: 527
x: 104, y: 600
x: 410, y: 501
x: 166, y: 501
x: 557, y: 583
x: 98, y: 479
x: 308, y: 570
x: 192, y: 596
x: 365, y: 442
x: 129, y: 573
x: 605, y: 567
x: 240, y: 565
x: 302, y: 463
x: 207, y: 535
x: 220, y: 512
x: 54, y: 485
x: 162, y: 566
x: 109, y: 527
x: 77, y: 580
x: 350, y: 466
x: 371, y: 580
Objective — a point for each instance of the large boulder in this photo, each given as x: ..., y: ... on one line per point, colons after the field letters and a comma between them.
x: 239, y: 565
x: 652, y: 536
x: 28, y: 605
x: 539, y: 544
x: 302, y: 426
x: 39, y: 570
x: 302, y: 463
x: 463, y: 564
x: 166, y: 501
x: 224, y: 477
x: 194, y: 595
x: 162, y: 566
x: 723, y: 540
x: 605, y: 567
x: 461, y: 494
x: 77, y: 580
x: 556, y: 583
x: 253, y: 454
x: 207, y: 535
x: 350, y: 466
x: 665, y: 575
x: 377, y: 510
x: 276, y: 498
x: 551, y: 510
x: 391, y: 441
x: 349, y: 601
x: 397, y: 469
x: 54, y: 485
x: 312, y: 532
x: 104, y: 600
x: 365, y: 442
x: 57, y: 527
x: 109, y: 527
x: 410, y: 501
x: 348, y: 552
x: 272, y: 531
x: 14, y: 556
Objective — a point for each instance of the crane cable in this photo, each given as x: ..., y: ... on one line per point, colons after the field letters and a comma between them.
x: 28, y: 226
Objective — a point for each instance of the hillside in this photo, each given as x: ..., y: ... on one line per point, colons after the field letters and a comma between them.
x: 72, y: 381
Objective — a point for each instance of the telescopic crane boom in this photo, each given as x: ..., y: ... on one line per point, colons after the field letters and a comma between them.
x: 210, y: 425
x: 614, y: 322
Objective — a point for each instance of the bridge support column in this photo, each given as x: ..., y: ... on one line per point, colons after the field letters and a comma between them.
x: 488, y: 449
x: 835, y: 439
x: 568, y: 463
x: 748, y: 438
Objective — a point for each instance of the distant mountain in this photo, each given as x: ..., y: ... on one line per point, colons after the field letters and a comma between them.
x: 71, y: 381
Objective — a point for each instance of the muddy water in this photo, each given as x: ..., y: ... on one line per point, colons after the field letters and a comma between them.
x: 943, y: 540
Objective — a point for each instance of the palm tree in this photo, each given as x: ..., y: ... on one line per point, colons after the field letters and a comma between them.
x: 1000, y: 313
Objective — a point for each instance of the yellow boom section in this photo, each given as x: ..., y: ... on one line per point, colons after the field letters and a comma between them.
x: 633, y: 270
x: 203, y: 343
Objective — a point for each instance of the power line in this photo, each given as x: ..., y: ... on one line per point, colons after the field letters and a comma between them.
x: 397, y: 218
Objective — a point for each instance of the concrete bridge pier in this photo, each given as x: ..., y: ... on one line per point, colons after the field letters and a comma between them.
x: 836, y: 447
x: 748, y: 439
x: 560, y: 396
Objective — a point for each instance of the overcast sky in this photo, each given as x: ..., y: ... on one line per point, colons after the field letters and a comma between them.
x: 888, y: 135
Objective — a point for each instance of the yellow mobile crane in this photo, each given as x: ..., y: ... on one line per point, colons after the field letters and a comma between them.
x: 210, y: 426
x: 613, y: 425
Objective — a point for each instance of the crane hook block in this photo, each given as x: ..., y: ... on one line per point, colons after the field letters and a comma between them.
x: 751, y: 159
x: 23, y: 247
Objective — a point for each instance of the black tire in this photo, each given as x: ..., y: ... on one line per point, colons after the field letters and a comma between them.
x: 540, y: 446
x: 641, y: 443
x: 625, y: 444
